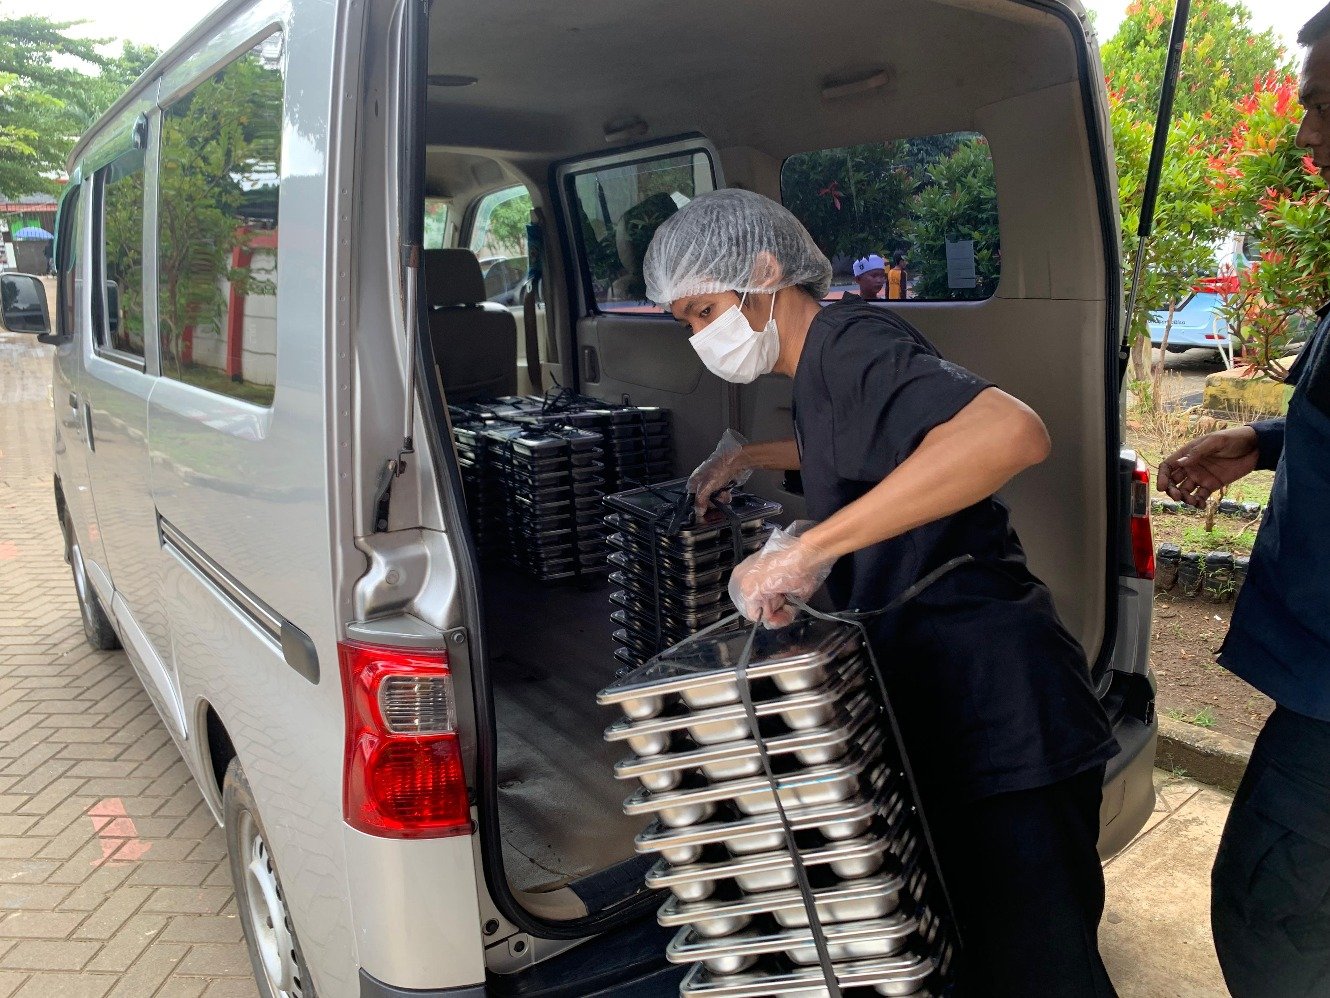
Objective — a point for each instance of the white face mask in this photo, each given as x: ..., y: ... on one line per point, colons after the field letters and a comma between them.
x: 732, y: 349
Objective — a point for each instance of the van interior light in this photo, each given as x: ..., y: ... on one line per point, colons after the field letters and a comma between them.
x: 449, y: 80
x: 624, y: 129
x: 859, y: 83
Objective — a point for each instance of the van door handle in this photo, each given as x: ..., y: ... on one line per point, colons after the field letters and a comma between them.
x: 87, y: 425
x: 590, y: 364
x: 73, y: 401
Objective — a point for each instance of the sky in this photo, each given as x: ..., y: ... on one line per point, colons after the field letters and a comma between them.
x: 161, y: 22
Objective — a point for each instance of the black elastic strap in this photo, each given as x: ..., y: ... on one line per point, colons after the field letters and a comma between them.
x: 800, y: 871
x: 856, y: 618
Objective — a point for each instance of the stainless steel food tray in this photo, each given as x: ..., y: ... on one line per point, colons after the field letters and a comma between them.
x: 798, y: 657
x: 712, y: 725
x: 734, y: 760
x: 763, y: 833
x: 847, y: 942
x: 811, y: 786
x: 798, y: 786
x: 849, y: 859
x: 905, y: 975
x: 856, y: 900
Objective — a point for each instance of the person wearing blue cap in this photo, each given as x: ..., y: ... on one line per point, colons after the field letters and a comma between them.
x: 870, y: 273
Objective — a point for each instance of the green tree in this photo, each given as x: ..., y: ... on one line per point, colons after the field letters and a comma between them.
x: 1222, y: 58
x: 854, y: 200
x: 1267, y: 187
x: 958, y: 202
x: 1186, y: 224
x: 41, y: 100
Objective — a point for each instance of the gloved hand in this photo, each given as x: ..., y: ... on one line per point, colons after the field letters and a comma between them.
x: 787, y: 565
x: 723, y: 468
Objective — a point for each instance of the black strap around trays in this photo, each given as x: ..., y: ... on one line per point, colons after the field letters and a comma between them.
x: 856, y: 619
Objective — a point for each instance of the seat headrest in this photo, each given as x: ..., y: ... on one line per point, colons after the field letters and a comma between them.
x: 452, y: 277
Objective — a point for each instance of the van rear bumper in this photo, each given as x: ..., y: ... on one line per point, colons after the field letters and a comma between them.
x: 371, y: 988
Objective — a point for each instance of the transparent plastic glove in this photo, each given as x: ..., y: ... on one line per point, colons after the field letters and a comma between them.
x: 723, y: 468
x: 787, y: 565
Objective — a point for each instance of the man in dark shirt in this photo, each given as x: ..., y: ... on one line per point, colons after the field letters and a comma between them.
x: 1270, y: 908
x: 901, y: 452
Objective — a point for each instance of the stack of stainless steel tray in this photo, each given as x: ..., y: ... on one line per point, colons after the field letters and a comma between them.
x: 671, y: 570
x: 723, y: 848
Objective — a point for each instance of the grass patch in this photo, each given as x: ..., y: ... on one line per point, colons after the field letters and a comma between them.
x: 1203, y: 718
x: 1189, y: 533
x: 1154, y: 435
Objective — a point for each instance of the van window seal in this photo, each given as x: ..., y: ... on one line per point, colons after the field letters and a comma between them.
x: 121, y: 357
x: 567, y: 169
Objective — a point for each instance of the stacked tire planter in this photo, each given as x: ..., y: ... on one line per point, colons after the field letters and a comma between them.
x: 1216, y: 576
x: 744, y: 924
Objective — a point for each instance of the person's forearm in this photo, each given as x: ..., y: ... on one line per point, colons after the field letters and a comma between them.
x: 772, y: 455
x: 957, y: 464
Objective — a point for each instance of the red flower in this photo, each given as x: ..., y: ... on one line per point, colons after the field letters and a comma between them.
x: 832, y: 190
x: 1310, y: 166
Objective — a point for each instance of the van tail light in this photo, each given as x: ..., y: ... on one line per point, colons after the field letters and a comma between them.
x: 1142, y: 533
x: 403, y: 774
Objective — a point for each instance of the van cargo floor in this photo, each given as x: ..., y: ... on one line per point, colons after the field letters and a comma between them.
x: 560, y: 808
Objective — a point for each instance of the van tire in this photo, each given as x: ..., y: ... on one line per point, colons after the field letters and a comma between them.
x: 274, y: 950
x: 97, y: 626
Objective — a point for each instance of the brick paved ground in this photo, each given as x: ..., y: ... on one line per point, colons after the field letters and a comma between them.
x: 113, y: 875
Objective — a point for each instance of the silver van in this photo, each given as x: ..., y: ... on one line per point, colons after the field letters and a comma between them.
x: 310, y: 227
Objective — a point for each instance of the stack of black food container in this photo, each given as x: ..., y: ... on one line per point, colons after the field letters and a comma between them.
x: 487, y: 502
x: 553, y: 478
x: 745, y: 924
x: 672, y: 570
x: 534, y: 488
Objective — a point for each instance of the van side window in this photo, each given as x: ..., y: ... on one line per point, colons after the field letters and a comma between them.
x: 927, y: 206
x: 217, y: 216
x: 498, y: 238
x: 618, y: 209
x: 69, y: 255
x: 118, y: 308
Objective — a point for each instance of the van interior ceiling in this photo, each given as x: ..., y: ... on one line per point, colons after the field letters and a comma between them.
x: 751, y: 83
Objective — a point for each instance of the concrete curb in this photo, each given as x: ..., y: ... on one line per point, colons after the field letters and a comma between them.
x: 1207, y: 756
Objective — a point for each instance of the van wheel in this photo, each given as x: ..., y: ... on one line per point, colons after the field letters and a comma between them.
x: 274, y: 951
x: 96, y: 625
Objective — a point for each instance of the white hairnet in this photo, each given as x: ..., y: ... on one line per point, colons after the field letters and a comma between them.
x: 713, y: 244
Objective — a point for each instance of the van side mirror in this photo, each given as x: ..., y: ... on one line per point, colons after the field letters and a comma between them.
x: 23, y: 304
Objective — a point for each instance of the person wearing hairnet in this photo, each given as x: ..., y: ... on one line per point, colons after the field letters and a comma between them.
x: 901, y: 453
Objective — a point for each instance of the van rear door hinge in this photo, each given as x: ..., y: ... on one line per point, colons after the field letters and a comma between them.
x: 383, y: 493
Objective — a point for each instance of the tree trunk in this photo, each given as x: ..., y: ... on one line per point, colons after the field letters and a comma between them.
x: 1157, y: 371
x: 1140, y: 356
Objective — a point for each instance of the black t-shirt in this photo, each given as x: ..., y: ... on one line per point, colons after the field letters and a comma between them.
x: 992, y: 693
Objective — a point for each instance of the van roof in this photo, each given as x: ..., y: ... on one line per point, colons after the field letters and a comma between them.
x: 226, y: 8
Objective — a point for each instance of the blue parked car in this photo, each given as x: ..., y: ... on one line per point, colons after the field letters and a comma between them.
x: 1196, y: 323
